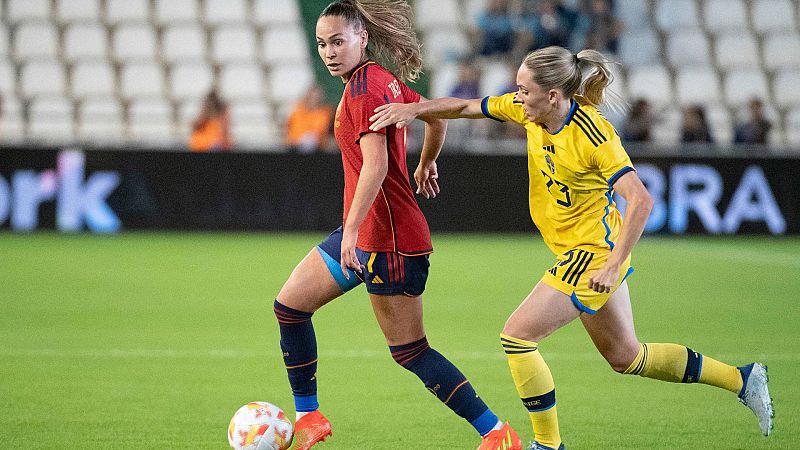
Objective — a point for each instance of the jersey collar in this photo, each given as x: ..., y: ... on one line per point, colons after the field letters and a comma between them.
x: 573, y: 107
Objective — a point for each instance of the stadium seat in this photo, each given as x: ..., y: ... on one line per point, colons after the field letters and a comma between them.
x: 252, y: 124
x: 100, y: 118
x: 150, y: 121
x: 640, y: 47
x: 792, y: 127
x: 4, y: 49
x: 688, y: 47
x: 720, y: 123
x: 78, y: 11
x: 633, y: 13
x: 118, y: 11
x: 437, y: 14
x: 667, y: 129
x: 7, y: 78
x: 782, y: 51
x: 697, y: 85
x: 672, y: 15
x: 653, y: 83
x: 742, y: 85
x: 287, y: 83
x: 12, y: 121
x: 42, y: 78
x: 784, y: 87
x: 773, y: 15
x: 233, y: 43
x: 187, y: 112
x: 473, y: 10
x: 736, y: 50
x: 26, y: 10
x: 171, y: 11
x: 184, y: 42
x: 85, y: 41
x: 241, y: 81
x: 36, y: 40
x: 142, y: 79
x: 92, y: 79
x: 496, y: 77
x: 134, y: 42
x: 445, y: 45
x: 444, y: 79
x: 225, y: 11
x: 270, y: 12
x: 190, y: 80
x: 284, y: 44
x: 725, y: 15
x: 51, y: 119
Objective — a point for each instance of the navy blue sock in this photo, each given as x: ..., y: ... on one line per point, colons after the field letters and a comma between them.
x: 446, y: 382
x: 299, y: 345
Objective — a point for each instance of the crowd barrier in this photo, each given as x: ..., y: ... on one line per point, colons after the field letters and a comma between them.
x: 107, y: 191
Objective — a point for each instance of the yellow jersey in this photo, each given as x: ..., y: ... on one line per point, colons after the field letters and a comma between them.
x: 572, y: 172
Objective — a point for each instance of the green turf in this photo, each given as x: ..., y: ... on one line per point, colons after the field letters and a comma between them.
x: 152, y: 341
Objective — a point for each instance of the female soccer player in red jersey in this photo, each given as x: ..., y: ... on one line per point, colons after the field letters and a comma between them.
x: 384, y: 241
x: 575, y: 162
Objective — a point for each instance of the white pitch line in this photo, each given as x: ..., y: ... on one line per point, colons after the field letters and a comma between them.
x: 458, y: 355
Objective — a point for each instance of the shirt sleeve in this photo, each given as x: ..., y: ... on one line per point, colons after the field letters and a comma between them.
x: 361, y: 109
x: 503, y: 109
x: 612, y: 160
x: 409, y: 95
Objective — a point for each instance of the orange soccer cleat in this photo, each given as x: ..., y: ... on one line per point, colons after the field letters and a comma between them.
x: 503, y: 439
x: 310, y: 430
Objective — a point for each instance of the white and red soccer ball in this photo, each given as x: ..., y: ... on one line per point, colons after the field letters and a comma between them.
x: 260, y: 426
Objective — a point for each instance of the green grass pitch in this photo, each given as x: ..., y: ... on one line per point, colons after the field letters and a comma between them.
x: 152, y: 341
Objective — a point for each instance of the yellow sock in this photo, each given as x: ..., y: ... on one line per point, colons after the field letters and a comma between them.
x: 678, y: 364
x: 535, y: 387
x: 722, y: 375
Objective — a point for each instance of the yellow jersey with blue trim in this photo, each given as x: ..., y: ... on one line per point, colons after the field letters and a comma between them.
x: 572, y: 172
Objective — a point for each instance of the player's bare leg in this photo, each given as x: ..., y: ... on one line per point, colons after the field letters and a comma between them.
x: 309, y: 287
x: 400, y: 319
x: 612, y: 332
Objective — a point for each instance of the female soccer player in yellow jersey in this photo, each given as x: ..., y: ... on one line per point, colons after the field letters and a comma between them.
x: 575, y: 162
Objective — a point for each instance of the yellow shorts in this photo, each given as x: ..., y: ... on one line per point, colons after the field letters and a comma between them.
x: 571, y: 274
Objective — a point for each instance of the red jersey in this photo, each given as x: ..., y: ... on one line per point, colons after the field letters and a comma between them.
x: 394, y: 222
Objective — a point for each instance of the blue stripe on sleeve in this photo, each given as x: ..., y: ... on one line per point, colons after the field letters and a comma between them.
x: 485, y: 109
x: 617, y: 175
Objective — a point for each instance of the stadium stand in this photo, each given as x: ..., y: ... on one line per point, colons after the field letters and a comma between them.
x: 67, y: 64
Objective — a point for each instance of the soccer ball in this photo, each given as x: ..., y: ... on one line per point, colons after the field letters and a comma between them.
x: 260, y: 426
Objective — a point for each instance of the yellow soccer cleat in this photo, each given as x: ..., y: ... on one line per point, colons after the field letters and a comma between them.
x: 503, y: 439
x: 310, y: 430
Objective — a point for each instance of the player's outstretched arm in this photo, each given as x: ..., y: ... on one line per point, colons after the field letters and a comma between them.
x: 426, y: 175
x: 401, y: 114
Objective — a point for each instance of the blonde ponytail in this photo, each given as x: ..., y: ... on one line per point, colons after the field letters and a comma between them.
x: 557, y: 68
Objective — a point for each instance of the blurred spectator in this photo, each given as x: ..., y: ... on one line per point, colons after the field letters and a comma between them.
x: 695, y: 126
x: 309, y: 125
x: 211, y: 129
x: 597, y: 27
x: 546, y: 23
x: 496, y: 29
x: 468, y: 81
x: 756, y: 129
x: 640, y: 122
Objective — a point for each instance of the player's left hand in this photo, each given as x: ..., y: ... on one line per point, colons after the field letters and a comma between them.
x: 426, y: 177
x: 349, y: 259
x: 605, y: 278
x: 400, y: 114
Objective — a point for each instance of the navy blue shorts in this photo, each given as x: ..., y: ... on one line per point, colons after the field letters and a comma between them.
x: 384, y: 273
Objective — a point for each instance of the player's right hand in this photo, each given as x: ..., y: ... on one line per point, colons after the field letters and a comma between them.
x: 399, y: 114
